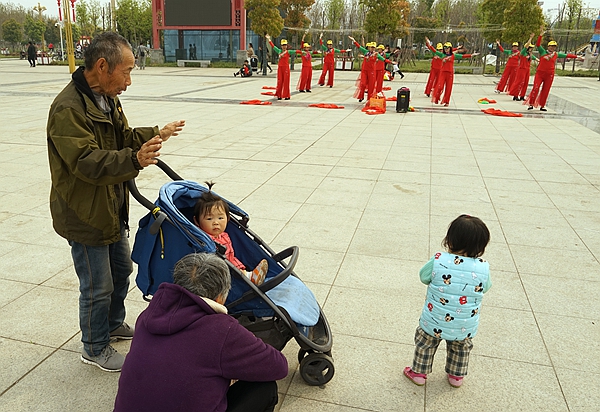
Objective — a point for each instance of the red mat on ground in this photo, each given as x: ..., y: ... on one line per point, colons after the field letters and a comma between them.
x: 268, y: 93
x: 391, y: 99
x: 256, y: 102
x: 485, y: 99
x: 270, y: 87
x: 326, y: 106
x: 498, y: 112
x: 373, y: 110
x: 386, y: 88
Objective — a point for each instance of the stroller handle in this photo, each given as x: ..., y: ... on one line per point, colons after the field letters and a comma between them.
x: 133, y: 189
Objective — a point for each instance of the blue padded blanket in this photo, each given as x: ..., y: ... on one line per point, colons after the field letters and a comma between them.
x: 297, y: 299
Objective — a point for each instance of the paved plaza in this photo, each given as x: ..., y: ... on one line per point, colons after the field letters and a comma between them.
x: 368, y: 200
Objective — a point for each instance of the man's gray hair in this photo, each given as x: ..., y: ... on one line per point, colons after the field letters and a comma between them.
x: 108, y: 45
x: 203, y: 274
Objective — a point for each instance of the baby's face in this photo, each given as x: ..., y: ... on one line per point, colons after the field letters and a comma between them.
x: 214, y: 221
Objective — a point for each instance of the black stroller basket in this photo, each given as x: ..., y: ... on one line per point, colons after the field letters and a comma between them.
x: 247, y: 302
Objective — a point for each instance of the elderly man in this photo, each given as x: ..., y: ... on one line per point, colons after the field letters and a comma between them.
x: 92, y: 152
x: 189, y: 355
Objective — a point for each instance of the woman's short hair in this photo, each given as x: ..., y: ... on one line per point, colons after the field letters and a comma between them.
x: 203, y: 274
x: 108, y: 45
x: 467, y: 235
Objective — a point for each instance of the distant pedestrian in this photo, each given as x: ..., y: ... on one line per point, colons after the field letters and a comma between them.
x: 142, y: 52
x: 264, y: 60
x: 250, y: 51
x: 31, y: 54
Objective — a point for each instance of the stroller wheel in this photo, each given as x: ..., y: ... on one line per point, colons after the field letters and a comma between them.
x: 302, y: 353
x: 317, y: 369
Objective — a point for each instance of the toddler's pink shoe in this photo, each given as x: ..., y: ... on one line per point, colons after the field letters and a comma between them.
x: 455, y: 381
x: 416, y: 378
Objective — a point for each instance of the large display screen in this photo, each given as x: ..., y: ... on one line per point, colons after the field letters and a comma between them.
x: 198, y: 12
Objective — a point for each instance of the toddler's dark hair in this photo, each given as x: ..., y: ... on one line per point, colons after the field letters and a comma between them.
x: 467, y: 235
x: 208, y: 200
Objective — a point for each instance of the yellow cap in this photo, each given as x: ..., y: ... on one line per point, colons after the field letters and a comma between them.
x: 284, y: 41
x: 373, y: 44
x: 528, y: 45
x: 552, y: 43
x: 329, y: 42
x: 516, y: 43
x: 381, y: 46
x: 439, y: 46
x: 447, y: 44
x: 306, y: 45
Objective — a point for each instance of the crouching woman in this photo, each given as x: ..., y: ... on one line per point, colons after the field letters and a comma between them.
x: 187, y: 354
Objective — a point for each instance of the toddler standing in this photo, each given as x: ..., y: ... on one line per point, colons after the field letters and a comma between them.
x: 457, y: 280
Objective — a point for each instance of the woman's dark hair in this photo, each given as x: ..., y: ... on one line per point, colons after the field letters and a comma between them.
x: 467, y: 235
x: 207, y: 201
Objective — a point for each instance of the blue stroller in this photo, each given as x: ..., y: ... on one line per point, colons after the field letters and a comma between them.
x: 280, y: 309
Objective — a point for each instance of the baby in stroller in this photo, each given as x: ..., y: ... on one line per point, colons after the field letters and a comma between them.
x: 211, y: 214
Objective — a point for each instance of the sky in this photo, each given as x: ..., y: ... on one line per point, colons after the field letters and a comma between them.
x: 52, y: 6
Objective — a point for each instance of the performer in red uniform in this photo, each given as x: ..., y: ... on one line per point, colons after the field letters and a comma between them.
x: 510, y: 70
x: 283, y: 68
x: 434, y: 72
x: 380, y: 68
x: 367, y: 75
x: 305, y: 80
x: 446, y: 78
x: 519, y: 86
x: 328, y: 62
x: 544, y: 74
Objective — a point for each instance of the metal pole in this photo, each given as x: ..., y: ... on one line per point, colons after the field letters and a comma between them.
x: 69, y: 36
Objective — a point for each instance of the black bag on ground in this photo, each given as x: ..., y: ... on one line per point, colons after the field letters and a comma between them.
x: 402, y: 100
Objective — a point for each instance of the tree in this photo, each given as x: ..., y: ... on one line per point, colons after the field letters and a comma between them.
x: 295, y: 15
x: 134, y: 20
x: 522, y: 18
x: 334, y: 10
x: 425, y: 27
x: 34, y: 28
x: 88, y: 16
x: 265, y: 17
x: 491, y: 14
x: 12, y: 31
x: 387, y: 17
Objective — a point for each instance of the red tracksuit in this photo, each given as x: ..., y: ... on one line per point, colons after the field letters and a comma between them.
x: 519, y: 86
x: 510, y: 70
x: 446, y: 78
x: 328, y: 65
x: 283, y: 72
x: 434, y: 73
x: 306, y: 74
x: 366, y: 80
x: 544, y: 75
x: 379, y: 72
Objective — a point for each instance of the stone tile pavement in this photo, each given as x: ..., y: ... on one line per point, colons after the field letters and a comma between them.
x: 367, y: 199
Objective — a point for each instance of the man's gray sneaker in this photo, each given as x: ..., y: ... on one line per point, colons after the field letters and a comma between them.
x: 108, y: 360
x: 123, y: 332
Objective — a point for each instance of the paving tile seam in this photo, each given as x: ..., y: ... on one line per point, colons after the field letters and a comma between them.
x: 529, y: 303
x: 316, y: 399
x: 31, y: 369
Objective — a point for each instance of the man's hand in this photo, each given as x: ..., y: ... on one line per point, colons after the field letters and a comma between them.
x: 171, y: 129
x: 149, y: 151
